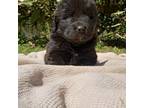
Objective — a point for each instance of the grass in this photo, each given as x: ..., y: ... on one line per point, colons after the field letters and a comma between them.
x: 101, y: 48
x: 27, y: 48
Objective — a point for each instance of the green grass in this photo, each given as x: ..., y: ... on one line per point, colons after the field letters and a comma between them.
x: 101, y: 48
x: 26, y: 48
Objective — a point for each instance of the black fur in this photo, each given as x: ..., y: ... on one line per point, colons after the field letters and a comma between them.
x: 74, y: 34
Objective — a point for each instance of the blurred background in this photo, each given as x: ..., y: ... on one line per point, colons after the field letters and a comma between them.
x: 35, y: 19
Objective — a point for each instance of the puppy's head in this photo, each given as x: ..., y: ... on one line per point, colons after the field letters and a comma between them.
x: 76, y: 20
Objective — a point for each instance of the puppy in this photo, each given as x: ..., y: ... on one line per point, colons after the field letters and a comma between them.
x: 74, y: 34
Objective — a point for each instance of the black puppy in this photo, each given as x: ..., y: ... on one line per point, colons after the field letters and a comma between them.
x: 73, y: 36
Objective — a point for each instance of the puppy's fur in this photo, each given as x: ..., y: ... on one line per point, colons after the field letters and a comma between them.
x: 74, y: 34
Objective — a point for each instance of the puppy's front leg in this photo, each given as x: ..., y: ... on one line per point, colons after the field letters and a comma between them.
x: 86, y: 58
x: 54, y: 58
x: 74, y: 59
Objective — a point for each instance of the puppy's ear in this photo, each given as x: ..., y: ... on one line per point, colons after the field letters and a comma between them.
x: 56, y: 18
x: 55, y: 23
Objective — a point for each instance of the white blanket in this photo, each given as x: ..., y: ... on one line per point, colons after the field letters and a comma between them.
x: 47, y: 86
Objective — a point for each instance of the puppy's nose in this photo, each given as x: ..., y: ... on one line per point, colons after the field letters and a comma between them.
x: 81, y: 29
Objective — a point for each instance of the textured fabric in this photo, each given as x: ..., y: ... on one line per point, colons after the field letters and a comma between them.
x: 46, y: 86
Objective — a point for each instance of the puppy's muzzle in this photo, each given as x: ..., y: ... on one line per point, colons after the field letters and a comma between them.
x: 80, y: 27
